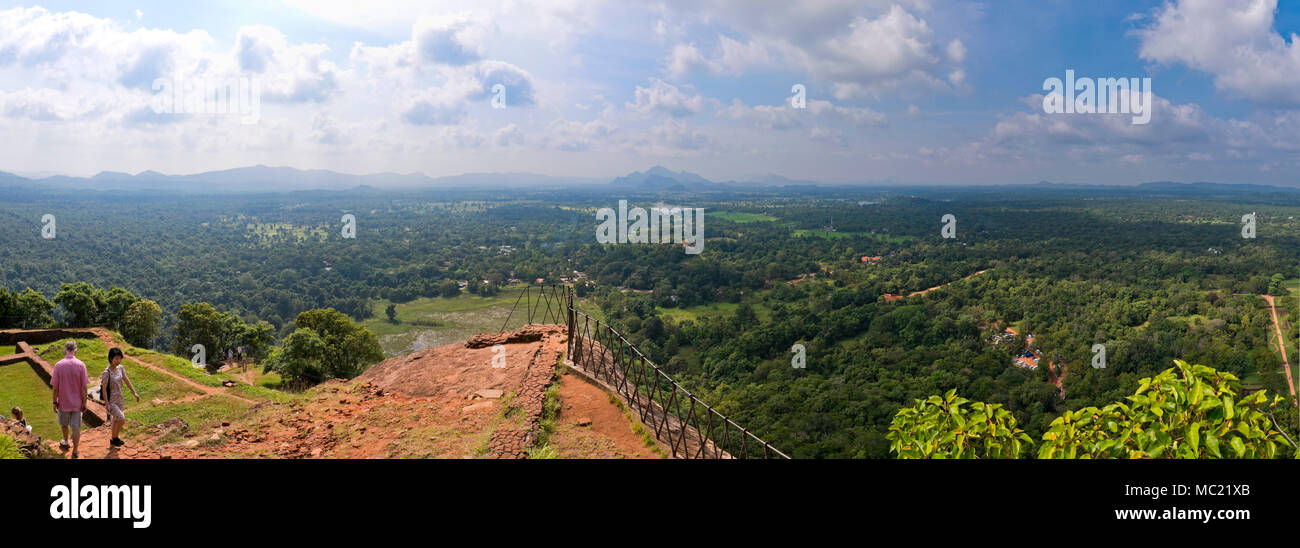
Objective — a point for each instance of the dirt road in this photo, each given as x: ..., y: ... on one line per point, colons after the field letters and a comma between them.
x: 1281, y: 343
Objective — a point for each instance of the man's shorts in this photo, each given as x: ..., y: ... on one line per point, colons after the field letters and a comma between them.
x: 71, y: 419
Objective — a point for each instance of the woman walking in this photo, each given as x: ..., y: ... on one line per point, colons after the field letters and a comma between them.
x: 110, y: 390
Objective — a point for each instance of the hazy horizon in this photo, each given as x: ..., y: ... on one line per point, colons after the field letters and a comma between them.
x: 909, y: 91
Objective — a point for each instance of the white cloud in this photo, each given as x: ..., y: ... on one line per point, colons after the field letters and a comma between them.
x: 508, y: 135
x: 1232, y: 40
x: 859, y: 47
x: 551, y: 23
x: 730, y: 57
x: 662, y: 97
x: 956, y: 51
x: 440, y: 80
x: 673, y: 137
x: 291, y: 74
x: 786, y: 117
x: 452, y: 39
x: 574, y: 136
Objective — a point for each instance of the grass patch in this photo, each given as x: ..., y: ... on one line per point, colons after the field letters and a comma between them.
x: 694, y: 313
x: 839, y: 235
x: 436, y: 321
x: 178, y: 365
x: 195, y: 413
x: 264, y: 393
x: 20, y: 386
x: 6, y: 350
x: 92, y: 352
x: 738, y: 217
x: 152, y: 384
x: 9, y: 449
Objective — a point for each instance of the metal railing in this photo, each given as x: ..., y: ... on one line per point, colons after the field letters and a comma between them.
x: 543, y: 304
x: 689, y: 427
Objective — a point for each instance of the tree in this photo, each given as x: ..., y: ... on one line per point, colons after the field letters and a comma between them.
x: 8, y: 308
x: 1275, y: 286
x: 449, y: 288
x: 391, y: 312
x: 33, y: 309
x: 745, y: 316
x: 140, y: 323
x: 81, y: 304
x: 114, y: 305
x: 256, y: 338
x: 301, y: 359
x: 350, y: 348
x: 200, y: 323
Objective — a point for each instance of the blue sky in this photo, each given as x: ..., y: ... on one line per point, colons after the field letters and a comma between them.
x: 910, y: 91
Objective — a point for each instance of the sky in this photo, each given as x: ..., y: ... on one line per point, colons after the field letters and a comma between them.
x: 902, y: 91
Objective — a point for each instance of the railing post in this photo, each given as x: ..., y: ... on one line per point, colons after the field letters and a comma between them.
x: 613, y: 367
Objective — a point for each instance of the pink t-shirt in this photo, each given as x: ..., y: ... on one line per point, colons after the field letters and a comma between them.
x: 69, y: 382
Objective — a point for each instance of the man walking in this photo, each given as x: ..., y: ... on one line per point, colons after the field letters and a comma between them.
x: 69, y: 386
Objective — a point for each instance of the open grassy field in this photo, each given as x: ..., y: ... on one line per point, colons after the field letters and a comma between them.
x: 737, y: 217
x: 436, y: 321
x: 20, y: 386
x: 694, y: 313
x: 6, y: 350
x: 838, y: 235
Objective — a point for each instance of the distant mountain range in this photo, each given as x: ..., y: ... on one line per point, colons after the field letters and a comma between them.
x: 283, y: 179
x: 660, y: 178
x: 261, y: 179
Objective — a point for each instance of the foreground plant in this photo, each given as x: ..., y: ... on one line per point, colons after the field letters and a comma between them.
x: 939, y: 428
x: 1189, y: 411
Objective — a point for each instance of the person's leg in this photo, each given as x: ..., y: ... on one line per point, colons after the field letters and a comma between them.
x: 63, y: 424
x: 75, y: 424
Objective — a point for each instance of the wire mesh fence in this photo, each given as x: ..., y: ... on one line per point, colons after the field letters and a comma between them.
x: 687, y: 426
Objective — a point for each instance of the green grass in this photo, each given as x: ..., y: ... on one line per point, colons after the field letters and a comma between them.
x: 436, y: 321
x: 195, y: 413
x: 7, y: 350
x: 825, y: 234
x: 1191, y: 320
x: 179, y: 365
x: 9, y: 448
x: 841, y: 235
x: 694, y: 313
x: 152, y: 384
x: 20, y: 386
x: 92, y: 352
x: 738, y: 217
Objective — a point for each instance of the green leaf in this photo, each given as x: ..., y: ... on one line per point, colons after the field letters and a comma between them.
x: 1239, y: 447
x: 1212, y: 444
